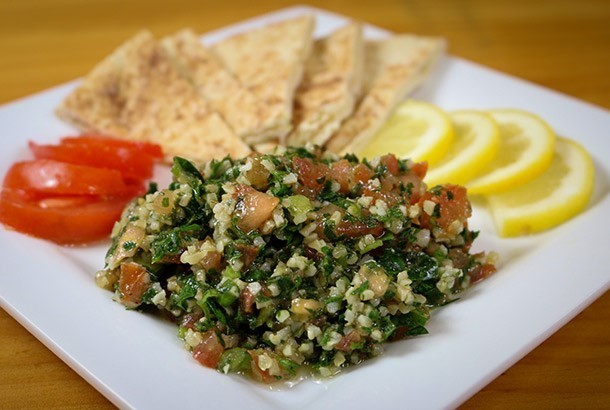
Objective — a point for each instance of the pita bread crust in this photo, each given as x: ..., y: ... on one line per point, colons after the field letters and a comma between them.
x: 246, y: 115
x: 164, y: 108
x: 266, y: 147
x: 393, y: 68
x: 96, y: 104
x: 269, y: 61
x: 330, y: 86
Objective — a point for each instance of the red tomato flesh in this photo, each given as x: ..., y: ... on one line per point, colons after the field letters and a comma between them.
x: 134, y: 165
x: 208, y: 352
x: 154, y: 150
x: 47, y: 176
x: 255, y: 207
x: 134, y: 281
x: 75, y: 191
x: 67, y: 220
x: 454, y: 206
x: 311, y: 175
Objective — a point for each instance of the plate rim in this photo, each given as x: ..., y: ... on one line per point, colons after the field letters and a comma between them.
x: 120, y: 401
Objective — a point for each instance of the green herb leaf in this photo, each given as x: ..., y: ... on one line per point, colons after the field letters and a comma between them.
x: 235, y: 360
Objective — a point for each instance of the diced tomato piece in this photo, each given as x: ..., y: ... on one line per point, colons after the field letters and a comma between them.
x: 134, y: 281
x: 311, y: 175
x: 189, y: 320
x: 454, y: 206
x: 212, y: 260
x: 387, y: 192
x: 254, y: 209
x: 47, y: 176
x: 248, y: 253
x: 246, y: 300
x: 345, y: 344
x: 154, y: 150
x: 420, y: 169
x: 210, y: 349
x: 391, y: 163
x: 259, y: 374
x: 342, y: 172
x: 64, y: 220
x: 480, y: 272
x: 362, y: 174
x: 358, y: 228
x: 134, y: 165
x: 348, y: 175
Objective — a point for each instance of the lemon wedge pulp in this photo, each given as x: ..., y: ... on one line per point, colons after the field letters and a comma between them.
x: 416, y: 130
x: 476, y: 142
x: 561, y: 192
x: 526, y: 151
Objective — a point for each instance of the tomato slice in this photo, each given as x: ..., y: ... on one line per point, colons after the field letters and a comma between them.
x: 47, y: 176
x: 134, y: 165
x: 64, y: 220
x: 154, y: 150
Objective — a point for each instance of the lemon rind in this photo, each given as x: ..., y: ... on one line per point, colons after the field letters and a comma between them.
x: 541, y: 158
x: 435, y: 148
x: 555, y: 209
x: 464, y: 166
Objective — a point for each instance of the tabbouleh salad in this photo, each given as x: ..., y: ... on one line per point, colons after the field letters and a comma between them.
x: 276, y: 263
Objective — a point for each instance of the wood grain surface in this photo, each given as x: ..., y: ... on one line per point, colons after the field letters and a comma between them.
x: 560, y: 44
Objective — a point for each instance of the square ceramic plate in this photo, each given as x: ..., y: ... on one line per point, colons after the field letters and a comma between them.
x: 137, y: 360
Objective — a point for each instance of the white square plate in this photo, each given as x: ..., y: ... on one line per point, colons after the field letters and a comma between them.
x: 138, y: 361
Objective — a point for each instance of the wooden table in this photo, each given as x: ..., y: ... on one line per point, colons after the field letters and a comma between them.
x: 560, y: 44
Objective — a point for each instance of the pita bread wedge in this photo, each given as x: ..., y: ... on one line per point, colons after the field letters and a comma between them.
x: 331, y: 84
x: 393, y: 68
x: 163, y: 107
x: 266, y: 147
x: 96, y: 104
x: 246, y: 115
x: 269, y: 61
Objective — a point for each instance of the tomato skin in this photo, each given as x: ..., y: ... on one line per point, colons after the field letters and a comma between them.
x: 73, y: 193
x: 154, y: 150
x: 45, y: 176
x: 132, y: 164
x: 63, y: 220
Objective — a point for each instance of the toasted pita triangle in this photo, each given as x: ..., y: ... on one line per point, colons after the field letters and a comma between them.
x: 137, y: 93
x: 96, y: 104
x: 330, y: 86
x: 269, y: 61
x: 165, y: 108
x: 393, y: 68
x: 250, y: 119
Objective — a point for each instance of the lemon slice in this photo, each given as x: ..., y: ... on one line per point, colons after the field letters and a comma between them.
x: 416, y: 130
x: 526, y: 150
x: 561, y: 192
x: 476, y: 142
